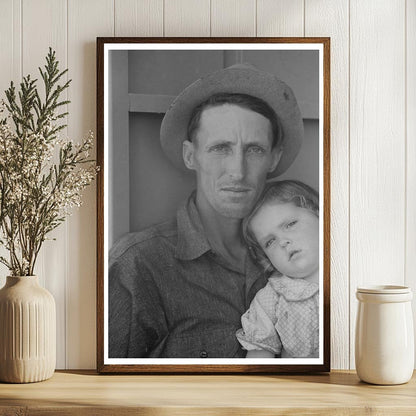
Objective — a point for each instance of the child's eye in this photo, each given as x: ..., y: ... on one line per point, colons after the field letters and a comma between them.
x: 291, y: 224
x: 269, y: 242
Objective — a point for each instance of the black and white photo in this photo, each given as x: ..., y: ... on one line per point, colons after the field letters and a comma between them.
x: 213, y: 251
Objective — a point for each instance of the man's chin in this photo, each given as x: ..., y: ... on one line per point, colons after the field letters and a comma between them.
x: 236, y: 211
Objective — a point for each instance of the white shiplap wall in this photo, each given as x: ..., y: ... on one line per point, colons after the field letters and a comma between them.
x: 373, y: 132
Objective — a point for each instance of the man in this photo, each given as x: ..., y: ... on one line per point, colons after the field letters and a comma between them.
x: 178, y: 289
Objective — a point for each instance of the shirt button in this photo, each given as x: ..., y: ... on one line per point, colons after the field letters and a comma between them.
x: 203, y: 354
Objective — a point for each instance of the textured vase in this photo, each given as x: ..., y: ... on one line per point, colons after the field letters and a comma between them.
x: 27, y: 331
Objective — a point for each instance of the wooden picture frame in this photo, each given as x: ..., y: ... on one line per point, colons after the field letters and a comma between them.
x: 137, y: 79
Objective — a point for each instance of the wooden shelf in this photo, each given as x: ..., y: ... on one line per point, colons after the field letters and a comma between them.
x: 85, y: 393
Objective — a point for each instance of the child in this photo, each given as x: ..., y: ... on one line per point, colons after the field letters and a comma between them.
x: 282, y: 233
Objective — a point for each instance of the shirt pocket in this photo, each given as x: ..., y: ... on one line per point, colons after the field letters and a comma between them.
x: 218, y: 343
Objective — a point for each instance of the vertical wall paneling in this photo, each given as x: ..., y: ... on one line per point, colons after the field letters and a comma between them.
x: 330, y: 18
x: 187, y: 18
x: 10, y: 44
x: 233, y: 18
x: 280, y: 18
x: 44, y: 24
x: 373, y: 130
x: 10, y: 66
x: 17, y: 40
x: 411, y: 150
x: 377, y: 152
x: 138, y: 18
x: 86, y: 21
x: 119, y: 147
x: 6, y: 45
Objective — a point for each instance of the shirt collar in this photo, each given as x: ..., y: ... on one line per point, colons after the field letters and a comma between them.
x: 293, y: 289
x: 192, y: 242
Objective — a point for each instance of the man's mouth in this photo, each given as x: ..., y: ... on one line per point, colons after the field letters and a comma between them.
x: 237, y: 189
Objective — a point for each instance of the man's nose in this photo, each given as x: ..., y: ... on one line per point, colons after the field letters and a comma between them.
x: 237, y: 165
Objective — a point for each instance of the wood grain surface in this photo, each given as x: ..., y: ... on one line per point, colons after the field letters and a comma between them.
x: 329, y: 18
x: 138, y: 18
x: 233, y: 18
x: 410, y: 260
x: 377, y: 141
x: 281, y: 18
x: 51, y: 264
x: 186, y: 18
x: 339, y: 393
x: 85, y: 18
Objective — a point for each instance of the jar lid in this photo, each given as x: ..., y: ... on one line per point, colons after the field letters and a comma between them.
x: 384, y: 289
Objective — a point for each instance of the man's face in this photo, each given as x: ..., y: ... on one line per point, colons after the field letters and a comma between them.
x: 231, y: 154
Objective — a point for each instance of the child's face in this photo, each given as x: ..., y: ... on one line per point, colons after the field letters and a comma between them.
x: 289, y: 236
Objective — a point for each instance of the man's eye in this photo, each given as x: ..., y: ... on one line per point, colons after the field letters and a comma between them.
x: 256, y: 149
x: 219, y: 148
x: 269, y: 242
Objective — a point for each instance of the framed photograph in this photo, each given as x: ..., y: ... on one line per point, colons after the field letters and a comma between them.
x: 213, y: 205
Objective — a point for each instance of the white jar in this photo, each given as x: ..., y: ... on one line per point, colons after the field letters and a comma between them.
x: 384, y: 338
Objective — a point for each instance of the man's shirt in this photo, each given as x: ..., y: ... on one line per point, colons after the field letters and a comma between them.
x: 171, y: 296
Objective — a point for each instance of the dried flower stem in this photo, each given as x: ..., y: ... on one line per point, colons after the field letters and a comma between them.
x: 36, y: 194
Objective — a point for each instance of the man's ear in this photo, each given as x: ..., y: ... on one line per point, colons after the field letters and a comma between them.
x: 276, y: 155
x: 188, y: 154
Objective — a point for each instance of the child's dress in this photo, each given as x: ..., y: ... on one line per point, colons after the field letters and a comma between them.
x: 283, y: 318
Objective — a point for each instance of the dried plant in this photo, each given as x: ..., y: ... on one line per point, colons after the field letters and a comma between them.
x: 41, y: 175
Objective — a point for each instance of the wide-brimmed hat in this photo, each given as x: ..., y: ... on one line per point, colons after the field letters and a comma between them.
x: 237, y: 79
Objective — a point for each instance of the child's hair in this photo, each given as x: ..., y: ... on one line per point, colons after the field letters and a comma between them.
x: 288, y: 191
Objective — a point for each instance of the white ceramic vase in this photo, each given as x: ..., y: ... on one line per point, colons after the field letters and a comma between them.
x: 27, y: 331
x: 384, y: 340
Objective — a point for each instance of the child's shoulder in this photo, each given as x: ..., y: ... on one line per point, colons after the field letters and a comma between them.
x: 292, y: 289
